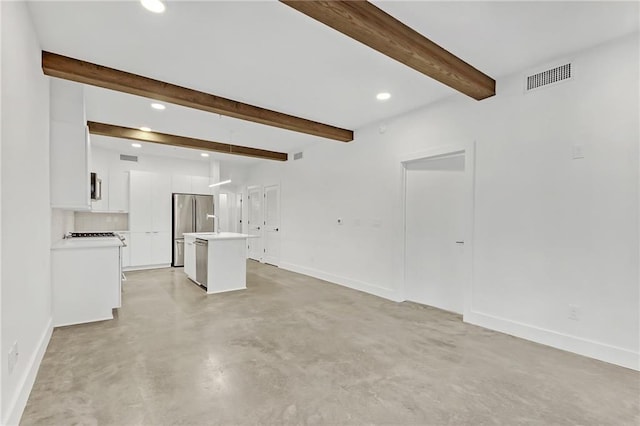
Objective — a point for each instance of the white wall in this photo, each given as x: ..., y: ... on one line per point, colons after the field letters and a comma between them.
x: 26, y: 220
x: 110, y: 160
x: 550, y: 231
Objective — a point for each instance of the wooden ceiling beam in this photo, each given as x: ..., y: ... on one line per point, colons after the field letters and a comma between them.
x: 364, y: 22
x: 111, y: 130
x: 59, y: 66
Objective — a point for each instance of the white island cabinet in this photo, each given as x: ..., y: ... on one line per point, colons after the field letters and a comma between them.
x: 216, y: 261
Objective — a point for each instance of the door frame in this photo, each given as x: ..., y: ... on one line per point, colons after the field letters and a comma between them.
x: 468, y: 149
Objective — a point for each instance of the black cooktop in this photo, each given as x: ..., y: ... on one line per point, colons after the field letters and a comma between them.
x: 91, y: 234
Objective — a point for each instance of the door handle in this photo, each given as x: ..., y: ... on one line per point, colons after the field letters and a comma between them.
x: 277, y: 229
x: 258, y: 228
x: 459, y: 242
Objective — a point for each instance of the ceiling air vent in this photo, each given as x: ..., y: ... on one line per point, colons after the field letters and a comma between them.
x: 297, y: 156
x: 133, y: 158
x: 545, y: 78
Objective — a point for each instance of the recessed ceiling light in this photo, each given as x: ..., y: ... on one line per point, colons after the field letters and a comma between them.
x: 158, y: 106
x: 136, y: 145
x: 383, y: 96
x: 155, y: 6
x: 145, y: 129
x: 204, y: 154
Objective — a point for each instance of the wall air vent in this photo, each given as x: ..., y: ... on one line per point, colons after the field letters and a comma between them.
x: 133, y: 158
x: 297, y: 156
x: 550, y: 76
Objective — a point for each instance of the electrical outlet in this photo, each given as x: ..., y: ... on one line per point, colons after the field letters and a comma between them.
x: 574, y: 312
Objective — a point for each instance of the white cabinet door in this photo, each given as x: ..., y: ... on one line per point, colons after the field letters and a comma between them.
x: 181, y: 184
x: 69, y: 166
x: 140, y: 209
x: 190, y: 257
x: 118, y: 191
x: 69, y: 147
x: 150, y: 218
x: 140, y: 248
x: 161, y: 203
x: 160, y: 248
x: 200, y: 185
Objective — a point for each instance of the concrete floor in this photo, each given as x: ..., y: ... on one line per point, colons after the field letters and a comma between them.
x: 293, y: 349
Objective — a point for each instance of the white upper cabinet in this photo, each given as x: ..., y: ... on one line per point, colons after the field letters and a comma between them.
x: 115, y: 189
x: 70, y: 147
x: 190, y: 184
x: 161, y: 203
x: 200, y: 185
x: 140, y: 209
x: 118, y: 190
x: 181, y: 184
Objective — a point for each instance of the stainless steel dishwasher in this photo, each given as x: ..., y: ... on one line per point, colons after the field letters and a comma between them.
x: 202, y: 255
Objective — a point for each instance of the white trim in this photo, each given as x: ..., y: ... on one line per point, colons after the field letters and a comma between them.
x: 223, y: 291
x: 589, y: 348
x: 468, y: 150
x: 145, y: 267
x: 16, y: 406
x: 373, y: 289
x: 67, y: 324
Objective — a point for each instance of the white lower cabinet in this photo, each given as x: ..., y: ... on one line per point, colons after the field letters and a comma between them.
x: 150, y: 248
x: 86, y: 283
x: 190, y: 257
x: 161, y: 248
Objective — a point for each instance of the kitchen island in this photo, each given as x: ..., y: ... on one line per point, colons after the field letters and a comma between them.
x: 216, y: 261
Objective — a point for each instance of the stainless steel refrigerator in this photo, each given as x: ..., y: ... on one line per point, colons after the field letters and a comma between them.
x: 191, y: 213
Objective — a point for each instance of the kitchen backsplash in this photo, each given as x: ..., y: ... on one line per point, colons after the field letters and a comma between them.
x: 62, y: 221
x: 101, y: 222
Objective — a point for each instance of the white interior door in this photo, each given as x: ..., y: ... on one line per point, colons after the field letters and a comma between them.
x: 239, y: 213
x: 271, y: 224
x: 435, y: 222
x: 254, y: 222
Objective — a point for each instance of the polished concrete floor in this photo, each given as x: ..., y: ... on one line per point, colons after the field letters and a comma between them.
x: 292, y: 349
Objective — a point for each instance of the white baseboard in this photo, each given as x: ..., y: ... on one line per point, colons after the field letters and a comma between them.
x: 19, y: 401
x: 85, y: 321
x: 345, y: 282
x: 145, y: 267
x: 601, y: 351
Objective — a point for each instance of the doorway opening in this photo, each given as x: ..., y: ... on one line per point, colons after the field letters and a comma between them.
x: 438, y: 219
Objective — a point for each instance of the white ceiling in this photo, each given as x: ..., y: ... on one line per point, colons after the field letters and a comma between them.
x: 267, y: 54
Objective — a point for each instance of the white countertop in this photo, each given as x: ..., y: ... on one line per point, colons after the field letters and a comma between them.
x: 218, y: 236
x: 85, y: 243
